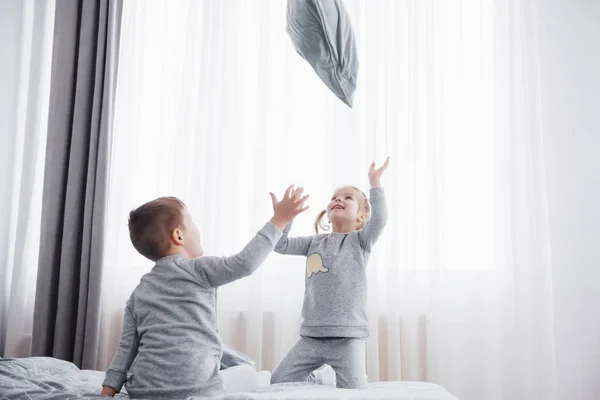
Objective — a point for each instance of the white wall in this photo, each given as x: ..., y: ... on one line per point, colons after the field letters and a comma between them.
x: 569, y: 33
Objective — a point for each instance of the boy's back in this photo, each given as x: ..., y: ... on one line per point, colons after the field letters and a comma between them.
x: 169, y: 346
x: 179, y: 348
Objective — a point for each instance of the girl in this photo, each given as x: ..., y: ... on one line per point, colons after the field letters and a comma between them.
x: 334, y: 321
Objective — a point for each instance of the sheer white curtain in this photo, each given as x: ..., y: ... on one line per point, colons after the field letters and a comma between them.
x: 214, y: 106
x: 26, y: 47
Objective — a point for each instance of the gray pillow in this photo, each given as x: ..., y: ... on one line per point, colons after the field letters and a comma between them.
x: 232, y: 357
x: 322, y: 34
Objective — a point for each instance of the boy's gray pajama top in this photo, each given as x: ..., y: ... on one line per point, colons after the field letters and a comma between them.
x: 335, y: 300
x: 170, y: 346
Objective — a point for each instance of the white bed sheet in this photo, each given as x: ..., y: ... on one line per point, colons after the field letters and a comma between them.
x: 404, y: 390
x: 300, y: 391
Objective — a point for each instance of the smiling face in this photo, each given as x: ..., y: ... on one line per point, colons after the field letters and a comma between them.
x: 347, y: 208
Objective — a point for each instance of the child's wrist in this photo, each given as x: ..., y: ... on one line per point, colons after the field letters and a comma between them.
x: 108, y: 391
x: 375, y: 184
x: 279, y: 222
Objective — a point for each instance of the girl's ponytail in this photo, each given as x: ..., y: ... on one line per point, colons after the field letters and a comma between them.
x: 318, y: 222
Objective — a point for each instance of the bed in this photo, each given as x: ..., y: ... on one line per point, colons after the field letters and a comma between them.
x: 51, y: 379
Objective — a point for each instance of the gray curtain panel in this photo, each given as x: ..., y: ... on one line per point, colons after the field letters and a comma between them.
x: 84, y: 67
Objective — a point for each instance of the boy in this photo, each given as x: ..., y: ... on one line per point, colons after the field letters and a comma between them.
x: 170, y: 346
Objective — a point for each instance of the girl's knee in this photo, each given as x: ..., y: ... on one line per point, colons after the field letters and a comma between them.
x: 351, y: 382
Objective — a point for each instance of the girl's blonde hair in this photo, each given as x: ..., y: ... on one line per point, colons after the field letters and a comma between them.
x: 363, y: 203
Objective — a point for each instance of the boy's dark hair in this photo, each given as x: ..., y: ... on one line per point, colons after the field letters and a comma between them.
x: 151, y: 224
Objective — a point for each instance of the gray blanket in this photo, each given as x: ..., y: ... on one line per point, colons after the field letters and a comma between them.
x: 53, y: 379
x: 48, y: 379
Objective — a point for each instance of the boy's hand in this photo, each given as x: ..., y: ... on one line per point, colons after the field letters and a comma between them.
x: 375, y: 174
x: 108, y: 391
x: 291, y: 205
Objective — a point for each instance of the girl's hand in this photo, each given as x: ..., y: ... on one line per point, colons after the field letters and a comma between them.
x: 292, y: 204
x: 375, y: 174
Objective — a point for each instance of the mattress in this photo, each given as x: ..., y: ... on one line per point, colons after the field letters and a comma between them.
x: 52, y: 379
x: 376, y: 390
